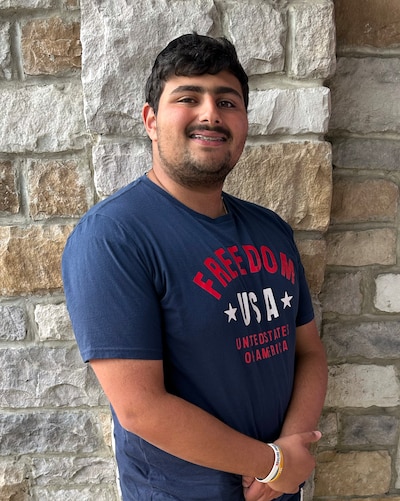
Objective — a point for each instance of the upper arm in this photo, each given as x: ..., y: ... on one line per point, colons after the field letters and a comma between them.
x: 308, y: 340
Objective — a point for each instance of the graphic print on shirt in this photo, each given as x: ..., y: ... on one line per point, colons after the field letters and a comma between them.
x: 256, y: 307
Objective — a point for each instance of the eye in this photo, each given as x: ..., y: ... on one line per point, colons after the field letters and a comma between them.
x: 186, y: 100
x: 226, y: 104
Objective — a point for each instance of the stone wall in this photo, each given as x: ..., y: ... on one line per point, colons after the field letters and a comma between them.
x: 70, y: 134
x: 360, y: 455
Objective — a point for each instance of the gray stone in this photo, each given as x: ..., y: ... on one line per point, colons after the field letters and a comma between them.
x: 387, y: 297
x: 5, y: 52
x: 116, y: 165
x: 289, y: 111
x: 51, y: 377
x: 328, y: 425
x: 117, y: 59
x: 12, y: 323
x: 99, y: 493
x: 360, y: 153
x: 363, y: 91
x: 54, y: 122
x: 312, y: 49
x: 369, y: 340
x: 260, y: 45
x: 49, y: 432
x: 53, y: 322
x: 27, y: 4
x: 372, y: 431
x: 342, y: 294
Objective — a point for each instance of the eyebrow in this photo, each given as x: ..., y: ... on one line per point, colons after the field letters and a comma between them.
x: 203, y: 90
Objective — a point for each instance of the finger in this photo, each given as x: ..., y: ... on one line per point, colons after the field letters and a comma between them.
x: 310, y: 437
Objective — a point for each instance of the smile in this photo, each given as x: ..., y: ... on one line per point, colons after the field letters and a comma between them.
x: 207, y: 138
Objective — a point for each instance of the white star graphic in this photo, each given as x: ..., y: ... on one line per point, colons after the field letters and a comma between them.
x: 286, y: 300
x: 231, y: 312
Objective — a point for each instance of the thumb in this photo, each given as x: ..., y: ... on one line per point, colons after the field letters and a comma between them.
x: 310, y: 437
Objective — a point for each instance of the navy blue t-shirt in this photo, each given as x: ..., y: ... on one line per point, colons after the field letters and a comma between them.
x: 218, y: 300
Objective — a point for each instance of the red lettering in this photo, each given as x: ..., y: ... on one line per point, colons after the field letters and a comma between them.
x: 238, y: 259
x: 269, y: 260
x: 226, y: 262
x: 253, y: 257
x: 207, y: 285
x: 221, y: 275
x: 287, y: 268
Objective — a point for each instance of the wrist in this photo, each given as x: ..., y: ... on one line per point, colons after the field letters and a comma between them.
x: 277, y: 465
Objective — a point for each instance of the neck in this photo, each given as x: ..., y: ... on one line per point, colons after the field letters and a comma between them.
x: 209, y: 202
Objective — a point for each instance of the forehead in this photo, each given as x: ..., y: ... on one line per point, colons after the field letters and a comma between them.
x: 223, y: 82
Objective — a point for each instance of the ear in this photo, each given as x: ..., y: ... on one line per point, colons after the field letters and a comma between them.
x: 150, y: 121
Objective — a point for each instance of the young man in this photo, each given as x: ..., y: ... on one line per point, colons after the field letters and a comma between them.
x: 192, y: 307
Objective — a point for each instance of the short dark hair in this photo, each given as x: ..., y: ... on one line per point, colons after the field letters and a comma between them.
x: 194, y: 54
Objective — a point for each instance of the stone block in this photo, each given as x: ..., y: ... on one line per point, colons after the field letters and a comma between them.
x: 115, y: 65
x: 47, y: 377
x: 30, y: 258
x: 12, y: 323
x: 313, y: 257
x: 362, y: 386
x: 118, y: 164
x: 370, y: 340
x: 328, y: 425
x: 45, y: 432
x: 260, y: 45
x: 366, y: 473
x: 9, y: 197
x: 5, y: 51
x: 14, y: 480
x: 289, y: 111
x: 342, y: 293
x: 312, y: 35
x: 361, y: 248
x: 53, y: 322
x: 54, y: 122
x: 362, y: 95
x: 369, y: 430
x: 99, y: 493
x: 374, y: 23
x: 27, y: 4
x: 58, y: 188
x: 293, y: 179
x: 50, y: 46
x: 387, y: 294
x: 370, y: 200
x: 359, y: 153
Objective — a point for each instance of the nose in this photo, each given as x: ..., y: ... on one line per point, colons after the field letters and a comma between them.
x: 210, y: 112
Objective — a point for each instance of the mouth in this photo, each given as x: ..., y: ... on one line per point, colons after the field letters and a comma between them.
x: 209, y: 135
x: 211, y: 139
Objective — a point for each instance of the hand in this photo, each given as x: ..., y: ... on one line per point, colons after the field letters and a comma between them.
x: 298, y: 463
x: 256, y: 491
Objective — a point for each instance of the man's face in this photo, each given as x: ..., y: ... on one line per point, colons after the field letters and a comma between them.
x: 200, y: 129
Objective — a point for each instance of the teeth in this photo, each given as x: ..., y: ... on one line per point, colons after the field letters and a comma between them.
x: 206, y: 138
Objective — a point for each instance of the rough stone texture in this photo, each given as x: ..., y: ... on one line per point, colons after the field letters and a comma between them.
x: 49, y: 432
x: 312, y: 53
x: 30, y: 258
x: 27, y: 4
x: 387, y: 296
x: 372, y: 431
x: 289, y: 111
x: 53, y: 322
x: 374, y: 23
x: 12, y: 323
x: 50, y: 46
x: 58, y: 188
x: 293, y: 179
x: 352, y: 385
x: 360, y: 153
x: 370, y: 340
x: 361, y: 248
x: 357, y: 201
x: 116, y: 165
x: 114, y: 92
x: 54, y: 121
x: 14, y: 481
x: 55, y: 377
x: 261, y: 49
x: 313, y: 257
x: 328, y: 425
x: 99, y: 493
x: 362, y: 95
x: 342, y: 294
x: 5, y: 51
x: 352, y: 474
x: 9, y: 198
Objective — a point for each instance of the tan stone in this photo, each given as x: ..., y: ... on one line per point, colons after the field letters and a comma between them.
x: 30, y: 258
x: 14, y: 483
x: 293, y: 179
x: 373, y: 23
x: 50, y: 46
x: 313, y: 256
x: 9, y: 200
x: 57, y: 188
x: 361, y: 248
x: 349, y: 474
x: 362, y: 201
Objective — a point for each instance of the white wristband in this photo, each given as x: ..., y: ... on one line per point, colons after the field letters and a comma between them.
x: 276, y: 467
